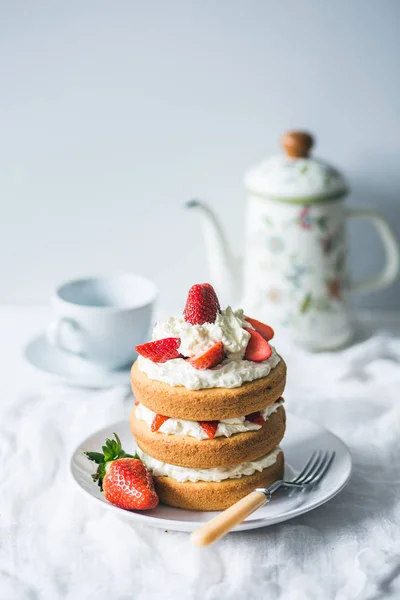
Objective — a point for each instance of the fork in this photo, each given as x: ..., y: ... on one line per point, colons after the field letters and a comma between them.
x: 309, y: 477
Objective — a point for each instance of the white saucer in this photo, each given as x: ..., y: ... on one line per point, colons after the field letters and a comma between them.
x: 301, y: 439
x: 74, y: 370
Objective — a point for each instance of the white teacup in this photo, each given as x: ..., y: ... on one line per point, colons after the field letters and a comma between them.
x: 102, y: 319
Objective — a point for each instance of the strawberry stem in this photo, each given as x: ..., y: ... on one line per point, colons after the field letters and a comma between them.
x: 112, y: 450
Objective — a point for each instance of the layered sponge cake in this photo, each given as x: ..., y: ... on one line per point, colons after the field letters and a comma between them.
x: 209, y: 415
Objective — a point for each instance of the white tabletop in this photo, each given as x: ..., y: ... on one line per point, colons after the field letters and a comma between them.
x: 56, y: 544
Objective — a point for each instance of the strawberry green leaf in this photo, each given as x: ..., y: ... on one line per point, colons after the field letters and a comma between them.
x: 125, y: 455
x: 97, y: 457
x: 99, y: 475
x: 118, y: 441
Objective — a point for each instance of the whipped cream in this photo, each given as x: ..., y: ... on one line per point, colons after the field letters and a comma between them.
x: 226, y: 427
x: 229, y: 374
x: 183, y: 474
x: 228, y: 329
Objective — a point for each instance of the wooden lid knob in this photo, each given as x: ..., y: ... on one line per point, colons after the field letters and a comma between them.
x: 297, y: 144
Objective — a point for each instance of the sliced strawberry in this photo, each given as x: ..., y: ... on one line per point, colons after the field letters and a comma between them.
x: 124, y: 479
x: 209, y: 427
x: 158, y: 421
x: 208, y: 359
x: 258, y: 348
x: 256, y: 418
x: 160, y: 350
x: 265, y: 330
x: 202, y: 305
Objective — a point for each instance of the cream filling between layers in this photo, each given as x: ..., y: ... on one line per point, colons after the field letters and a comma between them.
x: 183, y: 474
x: 229, y: 374
x: 226, y: 427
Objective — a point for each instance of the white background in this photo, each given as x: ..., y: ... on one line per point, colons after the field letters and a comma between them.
x: 112, y: 114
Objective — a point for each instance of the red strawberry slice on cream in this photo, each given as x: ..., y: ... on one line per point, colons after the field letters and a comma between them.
x: 202, y: 305
x: 265, y: 330
x: 209, y: 358
x: 209, y: 427
x: 256, y: 418
x: 258, y: 348
x: 157, y: 422
x: 160, y: 350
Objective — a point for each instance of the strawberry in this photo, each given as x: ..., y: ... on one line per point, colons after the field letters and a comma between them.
x: 124, y: 479
x: 256, y: 418
x: 209, y: 427
x: 160, y: 350
x: 158, y: 421
x: 265, y: 330
x: 258, y: 348
x: 202, y: 305
x: 209, y: 358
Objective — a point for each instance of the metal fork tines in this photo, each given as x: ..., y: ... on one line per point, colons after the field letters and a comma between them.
x: 314, y: 470
x: 312, y: 473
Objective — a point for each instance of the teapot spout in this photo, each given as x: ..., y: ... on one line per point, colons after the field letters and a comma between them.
x: 222, y: 266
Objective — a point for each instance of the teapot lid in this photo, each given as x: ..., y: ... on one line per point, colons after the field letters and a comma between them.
x: 294, y: 176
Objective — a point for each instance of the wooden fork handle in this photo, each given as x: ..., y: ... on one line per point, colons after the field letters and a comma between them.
x: 221, y: 524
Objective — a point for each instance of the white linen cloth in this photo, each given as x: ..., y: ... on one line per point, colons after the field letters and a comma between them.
x: 57, y: 544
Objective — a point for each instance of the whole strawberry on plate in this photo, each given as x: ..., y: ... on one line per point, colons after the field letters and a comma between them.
x: 124, y: 479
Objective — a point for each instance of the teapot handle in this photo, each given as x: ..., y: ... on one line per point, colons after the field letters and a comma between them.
x: 391, y: 268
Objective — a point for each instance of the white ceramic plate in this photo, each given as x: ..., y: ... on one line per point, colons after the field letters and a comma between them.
x: 301, y: 439
x: 74, y: 370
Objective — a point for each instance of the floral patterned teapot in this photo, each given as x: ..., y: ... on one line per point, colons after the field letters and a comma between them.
x: 295, y: 254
